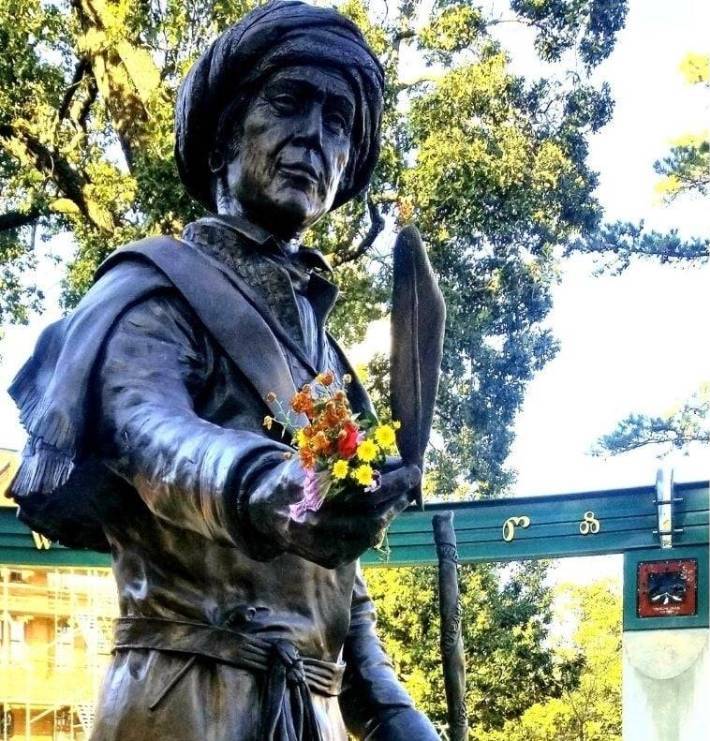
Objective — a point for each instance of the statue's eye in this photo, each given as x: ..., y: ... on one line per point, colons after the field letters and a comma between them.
x: 285, y: 103
x: 336, y: 122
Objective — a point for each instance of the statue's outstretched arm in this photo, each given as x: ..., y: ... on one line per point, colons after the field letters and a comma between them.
x: 187, y: 470
x: 230, y: 485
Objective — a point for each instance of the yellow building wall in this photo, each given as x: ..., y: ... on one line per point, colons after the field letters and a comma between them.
x: 55, y: 642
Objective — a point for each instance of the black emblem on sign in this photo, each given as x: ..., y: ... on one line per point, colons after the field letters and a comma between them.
x: 667, y: 587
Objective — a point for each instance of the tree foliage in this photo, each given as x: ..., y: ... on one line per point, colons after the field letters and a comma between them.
x: 591, y: 710
x: 686, y: 168
x: 505, y: 623
x: 616, y: 245
x: 684, y: 171
x: 676, y: 430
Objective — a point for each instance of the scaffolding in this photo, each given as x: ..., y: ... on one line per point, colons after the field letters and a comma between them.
x: 55, y: 643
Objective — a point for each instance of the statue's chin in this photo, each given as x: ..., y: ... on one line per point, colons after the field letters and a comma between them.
x: 288, y: 212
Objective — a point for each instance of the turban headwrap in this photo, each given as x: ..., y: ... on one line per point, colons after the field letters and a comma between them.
x: 277, y: 35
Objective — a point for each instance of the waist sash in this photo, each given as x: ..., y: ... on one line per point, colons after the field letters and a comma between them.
x: 287, y: 711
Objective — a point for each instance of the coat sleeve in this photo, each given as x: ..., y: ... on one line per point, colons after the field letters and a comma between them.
x: 188, y: 471
x: 374, y: 704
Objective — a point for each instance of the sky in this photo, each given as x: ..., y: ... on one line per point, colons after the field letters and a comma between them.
x: 636, y: 342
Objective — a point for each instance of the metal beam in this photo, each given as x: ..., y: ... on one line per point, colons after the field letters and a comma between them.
x: 552, y: 526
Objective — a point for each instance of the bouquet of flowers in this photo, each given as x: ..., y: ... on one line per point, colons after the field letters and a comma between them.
x: 337, y: 449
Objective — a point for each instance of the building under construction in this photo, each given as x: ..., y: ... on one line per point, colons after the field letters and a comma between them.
x: 55, y: 638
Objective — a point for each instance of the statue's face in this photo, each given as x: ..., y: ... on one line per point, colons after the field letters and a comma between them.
x: 292, y: 148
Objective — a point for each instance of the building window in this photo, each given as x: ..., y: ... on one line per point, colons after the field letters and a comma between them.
x: 64, y: 645
x: 18, y: 647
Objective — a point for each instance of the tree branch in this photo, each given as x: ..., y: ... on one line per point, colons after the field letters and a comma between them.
x: 52, y: 165
x: 83, y: 112
x: 16, y: 219
x: 377, y: 224
x: 405, y: 33
x: 529, y: 23
x: 622, y: 241
x: 81, y: 69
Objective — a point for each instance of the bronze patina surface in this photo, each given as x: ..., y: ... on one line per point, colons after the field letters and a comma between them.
x: 144, y: 410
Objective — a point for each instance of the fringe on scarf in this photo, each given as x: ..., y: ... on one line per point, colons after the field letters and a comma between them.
x: 43, y: 469
x: 48, y: 459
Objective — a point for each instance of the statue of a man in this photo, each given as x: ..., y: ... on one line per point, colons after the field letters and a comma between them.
x: 145, y: 406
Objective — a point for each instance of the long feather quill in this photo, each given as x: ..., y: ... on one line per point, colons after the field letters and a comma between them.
x: 418, y: 318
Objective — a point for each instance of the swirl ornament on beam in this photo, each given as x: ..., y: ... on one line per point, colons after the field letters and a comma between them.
x: 510, y: 525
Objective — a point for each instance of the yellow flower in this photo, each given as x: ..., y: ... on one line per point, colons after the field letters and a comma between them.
x: 340, y: 469
x: 301, y: 438
x: 364, y: 475
x: 363, y: 372
x: 384, y: 434
x: 268, y: 421
x: 367, y: 451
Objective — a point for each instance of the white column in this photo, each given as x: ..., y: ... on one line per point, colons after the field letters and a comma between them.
x: 666, y: 685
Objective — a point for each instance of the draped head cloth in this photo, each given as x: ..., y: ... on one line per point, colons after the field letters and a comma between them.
x: 276, y: 35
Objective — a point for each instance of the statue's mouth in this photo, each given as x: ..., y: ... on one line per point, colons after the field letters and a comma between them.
x: 300, y: 171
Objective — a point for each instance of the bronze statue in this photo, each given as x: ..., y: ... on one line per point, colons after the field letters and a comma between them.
x: 144, y: 410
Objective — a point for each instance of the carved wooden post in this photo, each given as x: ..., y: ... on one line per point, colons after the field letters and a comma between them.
x: 452, y: 653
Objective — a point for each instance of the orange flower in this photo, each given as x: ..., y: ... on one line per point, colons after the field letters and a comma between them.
x: 320, y: 444
x: 334, y: 414
x: 307, y: 457
x: 302, y: 402
x: 326, y: 378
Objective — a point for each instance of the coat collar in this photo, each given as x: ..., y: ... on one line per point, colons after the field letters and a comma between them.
x: 258, y: 236
x: 268, y: 272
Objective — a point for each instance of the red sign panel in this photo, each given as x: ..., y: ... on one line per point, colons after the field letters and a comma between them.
x: 667, y: 588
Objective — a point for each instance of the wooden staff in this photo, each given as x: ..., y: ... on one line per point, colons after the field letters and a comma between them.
x: 452, y: 653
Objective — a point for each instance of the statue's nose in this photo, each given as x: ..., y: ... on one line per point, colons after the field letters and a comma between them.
x: 310, y: 127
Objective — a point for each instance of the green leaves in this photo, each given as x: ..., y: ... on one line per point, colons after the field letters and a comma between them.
x: 504, y: 623
x: 695, y: 68
x: 676, y: 429
x: 684, y: 171
x: 589, y: 704
x: 620, y: 242
x: 686, y: 168
x: 587, y: 26
x: 453, y: 29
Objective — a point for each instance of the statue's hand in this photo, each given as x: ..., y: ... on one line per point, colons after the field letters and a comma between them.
x: 342, y: 529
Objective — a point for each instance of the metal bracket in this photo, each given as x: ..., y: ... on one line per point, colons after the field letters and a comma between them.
x: 664, y: 507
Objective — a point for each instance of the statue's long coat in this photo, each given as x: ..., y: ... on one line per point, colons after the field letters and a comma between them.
x: 175, y: 413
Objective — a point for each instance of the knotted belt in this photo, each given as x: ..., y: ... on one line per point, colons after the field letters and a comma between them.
x: 287, y: 710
